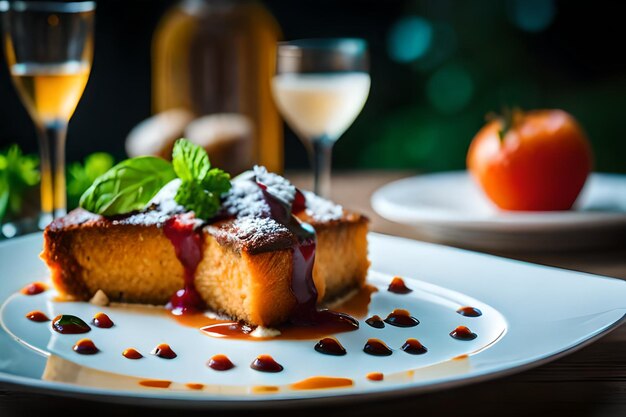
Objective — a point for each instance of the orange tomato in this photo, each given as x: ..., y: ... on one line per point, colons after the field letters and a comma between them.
x: 541, y: 162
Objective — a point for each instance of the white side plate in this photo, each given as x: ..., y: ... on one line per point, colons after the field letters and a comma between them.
x: 450, y: 207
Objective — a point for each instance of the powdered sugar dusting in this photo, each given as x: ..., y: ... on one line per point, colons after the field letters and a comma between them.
x: 320, y: 209
x: 251, y: 229
x: 279, y: 187
x: 245, y: 198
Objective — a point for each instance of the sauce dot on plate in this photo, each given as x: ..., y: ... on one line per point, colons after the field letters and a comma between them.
x: 265, y: 363
x: 468, y: 311
x: 330, y: 346
x: 34, y: 288
x: 463, y: 333
x: 401, y: 318
x: 376, y: 322
x: 414, y: 347
x: 132, y: 353
x: 85, y: 347
x: 164, y: 351
x: 398, y: 286
x: 220, y: 363
x: 376, y: 347
x: 37, y: 316
x: 68, y: 324
x: 102, y: 321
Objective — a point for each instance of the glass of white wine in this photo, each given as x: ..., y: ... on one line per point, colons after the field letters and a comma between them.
x: 49, y: 49
x: 320, y: 87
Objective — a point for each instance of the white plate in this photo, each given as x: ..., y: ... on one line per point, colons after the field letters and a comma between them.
x: 450, y: 207
x: 531, y: 314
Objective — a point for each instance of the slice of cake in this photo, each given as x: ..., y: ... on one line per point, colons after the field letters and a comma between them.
x: 258, y: 260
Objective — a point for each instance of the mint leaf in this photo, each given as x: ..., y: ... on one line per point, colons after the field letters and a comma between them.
x: 128, y: 186
x: 217, y: 181
x: 191, y: 162
x: 201, y: 186
x: 81, y: 176
x: 193, y: 196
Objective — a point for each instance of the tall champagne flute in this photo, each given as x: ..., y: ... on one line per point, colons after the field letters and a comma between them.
x: 320, y: 87
x: 49, y: 49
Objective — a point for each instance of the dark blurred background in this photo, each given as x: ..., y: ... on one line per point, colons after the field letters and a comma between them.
x: 438, y: 66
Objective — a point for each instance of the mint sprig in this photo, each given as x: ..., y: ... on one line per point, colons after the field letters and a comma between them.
x: 131, y: 184
x: 201, y: 185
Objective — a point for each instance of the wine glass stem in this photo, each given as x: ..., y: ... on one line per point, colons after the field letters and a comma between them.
x: 52, y: 153
x: 322, y: 159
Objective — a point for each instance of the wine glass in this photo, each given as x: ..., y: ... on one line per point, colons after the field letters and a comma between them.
x: 49, y: 49
x: 320, y: 87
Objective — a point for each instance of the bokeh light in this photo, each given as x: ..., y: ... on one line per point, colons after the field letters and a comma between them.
x: 532, y: 15
x: 450, y: 88
x: 409, y: 38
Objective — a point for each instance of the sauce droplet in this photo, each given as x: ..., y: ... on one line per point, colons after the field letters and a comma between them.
x: 265, y: 363
x: 194, y: 386
x: 37, y: 316
x: 330, y: 346
x: 398, y: 286
x: 187, y: 243
x: 322, y: 382
x: 401, y: 318
x: 67, y: 324
x: 132, y: 353
x: 376, y: 322
x: 469, y: 311
x: 305, y: 313
x: 375, y: 376
x: 164, y: 351
x: 414, y: 347
x: 85, y: 347
x: 155, y: 383
x: 102, y: 321
x: 33, y: 288
x: 377, y: 347
x: 220, y: 363
x: 463, y: 333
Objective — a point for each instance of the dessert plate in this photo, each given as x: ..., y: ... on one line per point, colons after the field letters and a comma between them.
x: 449, y: 207
x: 530, y: 314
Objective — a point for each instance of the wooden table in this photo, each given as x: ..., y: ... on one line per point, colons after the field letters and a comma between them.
x: 590, y: 382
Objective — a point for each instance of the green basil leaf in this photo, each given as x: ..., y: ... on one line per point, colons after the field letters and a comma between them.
x: 190, y: 161
x: 128, y: 186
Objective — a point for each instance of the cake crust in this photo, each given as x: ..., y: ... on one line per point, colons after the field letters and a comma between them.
x: 246, y: 267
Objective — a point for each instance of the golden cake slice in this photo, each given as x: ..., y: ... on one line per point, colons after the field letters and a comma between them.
x: 250, y: 262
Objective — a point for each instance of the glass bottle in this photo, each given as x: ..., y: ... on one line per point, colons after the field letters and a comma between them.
x: 215, y: 58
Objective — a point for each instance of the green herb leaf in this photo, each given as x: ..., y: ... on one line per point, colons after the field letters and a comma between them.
x: 4, y: 197
x: 193, y: 196
x: 201, y: 186
x: 80, y: 177
x: 128, y: 186
x: 18, y: 172
x: 191, y: 162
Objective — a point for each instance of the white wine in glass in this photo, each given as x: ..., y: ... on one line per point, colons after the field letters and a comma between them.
x: 49, y: 49
x: 320, y: 87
